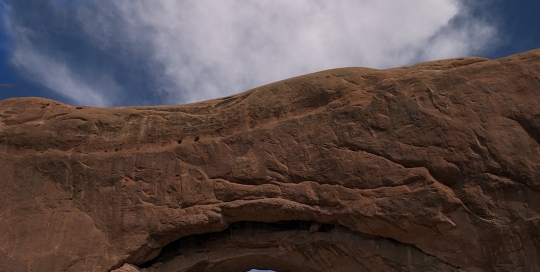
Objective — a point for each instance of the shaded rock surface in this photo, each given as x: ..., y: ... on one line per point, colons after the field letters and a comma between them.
x: 430, y: 167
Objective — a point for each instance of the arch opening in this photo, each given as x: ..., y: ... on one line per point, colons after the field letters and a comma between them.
x: 289, y: 246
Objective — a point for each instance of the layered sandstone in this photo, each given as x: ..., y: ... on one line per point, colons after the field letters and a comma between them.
x: 431, y: 167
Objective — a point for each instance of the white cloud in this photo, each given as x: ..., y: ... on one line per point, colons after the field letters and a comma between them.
x: 212, y: 48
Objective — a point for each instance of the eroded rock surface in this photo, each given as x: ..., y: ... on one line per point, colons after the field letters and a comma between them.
x: 432, y: 167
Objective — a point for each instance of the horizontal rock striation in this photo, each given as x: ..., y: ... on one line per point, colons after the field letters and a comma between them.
x: 430, y: 167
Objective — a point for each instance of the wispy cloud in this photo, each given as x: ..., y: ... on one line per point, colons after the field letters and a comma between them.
x: 59, y: 77
x: 168, y: 51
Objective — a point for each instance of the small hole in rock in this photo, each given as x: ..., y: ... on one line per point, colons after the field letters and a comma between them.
x: 196, y: 138
x: 180, y: 141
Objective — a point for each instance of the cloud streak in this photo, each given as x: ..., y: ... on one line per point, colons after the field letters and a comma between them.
x: 167, y: 51
x: 59, y: 77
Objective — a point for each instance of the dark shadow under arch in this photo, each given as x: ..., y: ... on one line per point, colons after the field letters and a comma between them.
x: 295, y: 246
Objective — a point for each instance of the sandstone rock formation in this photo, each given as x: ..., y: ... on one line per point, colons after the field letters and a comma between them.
x: 431, y: 167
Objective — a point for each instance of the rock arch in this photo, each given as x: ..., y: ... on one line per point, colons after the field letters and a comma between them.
x: 430, y: 167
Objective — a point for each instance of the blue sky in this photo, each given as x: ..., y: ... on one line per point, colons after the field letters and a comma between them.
x: 136, y: 52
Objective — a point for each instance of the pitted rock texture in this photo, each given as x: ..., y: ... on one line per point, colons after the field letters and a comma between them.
x: 431, y: 167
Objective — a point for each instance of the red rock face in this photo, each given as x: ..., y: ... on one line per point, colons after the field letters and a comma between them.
x: 432, y: 167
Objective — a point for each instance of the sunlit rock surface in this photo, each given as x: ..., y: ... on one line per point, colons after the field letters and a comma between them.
x: 431, y: 167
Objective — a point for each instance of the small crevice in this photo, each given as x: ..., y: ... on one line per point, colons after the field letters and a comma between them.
x: 532, y: 128
x: 404, y: 163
